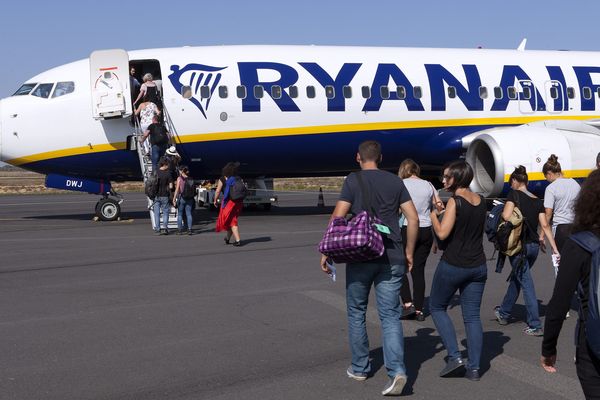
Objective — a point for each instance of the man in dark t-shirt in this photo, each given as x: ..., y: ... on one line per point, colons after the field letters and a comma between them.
x: 387, y: 196
x: 159, y: 140
x: 162, y: 203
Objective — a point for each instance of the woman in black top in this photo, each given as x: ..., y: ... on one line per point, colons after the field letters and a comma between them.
x: 574, y: 269
x: 532, y: 209
x: 462, y: 267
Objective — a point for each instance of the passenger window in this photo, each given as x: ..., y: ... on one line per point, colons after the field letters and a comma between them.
x: 25, y: 89
x: 498, y: 92
x: 259, y: 92
x: 570, y: 92
x: 329, y: 92
x: 526, y: 92
x: 384, y: 91
x: 63, y: 88
x: 43, y: 90
x: 451, y: 92
x: 241, y: 92
x: 587, y: 93
x: 347, y: 92
x: 204, y: 92
x: 554, y: 92
x: 598, y: 91
x: 401, y: 92
x: 512, y: 92
x: 311, y: 93
x: 276, y: 92
x: 366, y: 92
x: 483, y: 94
x: 293, y: 91
x: 418, y: 92
x: 223, y: 92
x: 186, y: 92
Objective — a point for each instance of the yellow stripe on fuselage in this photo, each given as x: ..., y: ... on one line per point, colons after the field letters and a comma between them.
x: 74, y: 151
x: 306, y: 130
x: 539, y: 176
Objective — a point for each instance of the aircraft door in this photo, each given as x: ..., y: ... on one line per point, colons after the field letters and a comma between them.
x: 555, y: 97
x: 527, y: 97
x: 109, y: 80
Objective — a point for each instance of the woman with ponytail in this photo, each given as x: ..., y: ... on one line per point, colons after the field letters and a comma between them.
x: 520, y: 279
x: 559, y: 200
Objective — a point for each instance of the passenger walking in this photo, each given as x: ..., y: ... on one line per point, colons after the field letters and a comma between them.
x: 173, y: 158
x: 230, y: 209
x: 559, y: 199
x: 462, y: 267
x: 183, y: 200
x: 159, y: 140
x: 146, y: 110
x: 424, y: 197
x: 149, y: 90
x: 520, y: 278
x: 575, y: 272
x: 162, y: 203
x: 388, y: 196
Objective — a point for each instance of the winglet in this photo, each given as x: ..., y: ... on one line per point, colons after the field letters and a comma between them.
x: 522, y: 45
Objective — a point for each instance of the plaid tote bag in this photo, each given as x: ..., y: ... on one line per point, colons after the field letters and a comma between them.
x: 356, y: 240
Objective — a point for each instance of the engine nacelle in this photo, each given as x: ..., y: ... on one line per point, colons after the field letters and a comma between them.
x: 495, y: 153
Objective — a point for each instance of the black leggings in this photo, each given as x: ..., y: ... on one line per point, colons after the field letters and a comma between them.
x: 588, y: 368
x: 422, y: 249
x: 563, y: 231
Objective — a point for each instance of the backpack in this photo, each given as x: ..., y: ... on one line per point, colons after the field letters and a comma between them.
x: 238, y: 189
x: 509, y: 236
x: 591, y: 243
x: 492, y: 221
x: 189, y: 189
x: 151, y: 186
x: 158, y: 135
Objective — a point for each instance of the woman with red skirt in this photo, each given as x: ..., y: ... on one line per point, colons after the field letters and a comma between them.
x: 230, y: 209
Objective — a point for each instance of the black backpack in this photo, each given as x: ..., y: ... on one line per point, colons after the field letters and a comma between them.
x: 238, y: 189
x: 189, y: 189
x: 158, y: 134
x: 151, y: 186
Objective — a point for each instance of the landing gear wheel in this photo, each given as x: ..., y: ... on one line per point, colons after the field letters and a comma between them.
x: 108, y: 210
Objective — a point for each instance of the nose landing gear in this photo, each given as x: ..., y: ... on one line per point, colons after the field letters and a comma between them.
x: 109, y: 209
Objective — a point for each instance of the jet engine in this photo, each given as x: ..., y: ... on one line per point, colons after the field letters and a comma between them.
x: 493, y: 154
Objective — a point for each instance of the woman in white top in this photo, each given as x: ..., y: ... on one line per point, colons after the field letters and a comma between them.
x: 147, y: 110
x: 424, y: 197
x: 559, y: 200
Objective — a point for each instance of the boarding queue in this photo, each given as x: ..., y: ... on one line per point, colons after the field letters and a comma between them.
x: 396, y: 221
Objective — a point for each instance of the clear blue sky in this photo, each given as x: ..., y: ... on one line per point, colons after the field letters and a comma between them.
x: 38, y: 35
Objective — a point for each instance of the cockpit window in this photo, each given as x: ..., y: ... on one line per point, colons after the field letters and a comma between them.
x: 42, y: 90
x: 25, y: 89
x: 63, y: 88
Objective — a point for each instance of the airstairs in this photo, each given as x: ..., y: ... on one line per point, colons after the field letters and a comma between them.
x: 143, y: 150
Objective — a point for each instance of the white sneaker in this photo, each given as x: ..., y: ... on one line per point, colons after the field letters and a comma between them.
x: 395, y: 386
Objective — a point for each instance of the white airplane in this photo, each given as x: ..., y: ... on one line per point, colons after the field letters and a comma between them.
x: 290, y: 111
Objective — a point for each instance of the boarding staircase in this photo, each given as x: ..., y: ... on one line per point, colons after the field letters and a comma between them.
x: 143, y: 150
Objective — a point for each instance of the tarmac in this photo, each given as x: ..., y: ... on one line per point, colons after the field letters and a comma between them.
x: 96, y: 310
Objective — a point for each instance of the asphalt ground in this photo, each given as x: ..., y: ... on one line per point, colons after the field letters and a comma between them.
x: 93, y: 310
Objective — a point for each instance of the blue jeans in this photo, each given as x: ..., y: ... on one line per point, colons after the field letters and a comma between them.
x: 185, y: 205
x: 157, y: 152
x: 470, y: 283
x: 164, y: 204
x: 387, y: 280
x: 521, y: 279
